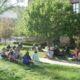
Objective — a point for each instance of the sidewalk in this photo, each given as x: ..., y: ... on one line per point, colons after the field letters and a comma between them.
x: 65, y: 63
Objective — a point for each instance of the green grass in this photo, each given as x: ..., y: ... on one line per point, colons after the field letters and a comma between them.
x: 12, y: 71
x: 2, y: 46
x: 40, y: 71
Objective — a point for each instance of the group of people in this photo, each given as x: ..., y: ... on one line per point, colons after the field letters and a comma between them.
x: 13, y: 54
x: 10, y: 53
x: 72, y: 53
x: 52, y: 51
x: 55, y: 51
x: 28, y: 60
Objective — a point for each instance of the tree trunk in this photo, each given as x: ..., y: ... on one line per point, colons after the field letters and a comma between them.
x: 49, y: 42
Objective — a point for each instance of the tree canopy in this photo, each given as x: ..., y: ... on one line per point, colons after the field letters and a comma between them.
x: 4, y: 6
x: 50, y: 18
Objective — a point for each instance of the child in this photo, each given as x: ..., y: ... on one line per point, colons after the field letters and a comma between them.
x: 35, y: 56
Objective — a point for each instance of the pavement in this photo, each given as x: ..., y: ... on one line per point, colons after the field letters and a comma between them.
x: 64, y: 63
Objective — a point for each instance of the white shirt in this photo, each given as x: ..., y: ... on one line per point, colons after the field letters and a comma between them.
x: 35, y: 57
x: 50, y: 54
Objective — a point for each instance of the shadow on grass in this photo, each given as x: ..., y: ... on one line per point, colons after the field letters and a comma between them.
x: 55, y: 72
x: 7, y: 75
x: 52, y: 71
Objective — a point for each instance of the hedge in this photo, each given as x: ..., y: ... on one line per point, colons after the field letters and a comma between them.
x: 27, y: 43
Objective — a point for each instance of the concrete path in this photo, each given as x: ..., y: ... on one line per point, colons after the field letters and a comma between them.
x: 65, y: 63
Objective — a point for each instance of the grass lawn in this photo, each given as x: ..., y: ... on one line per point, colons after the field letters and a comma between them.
x: 1, y: 46
x: 13, y: 71
x: 40, y: 71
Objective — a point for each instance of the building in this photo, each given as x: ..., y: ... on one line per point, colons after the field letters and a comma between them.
x: 76, y: 5
x: 76, y: 8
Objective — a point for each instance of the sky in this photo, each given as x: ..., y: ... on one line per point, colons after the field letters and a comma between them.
x: 12, y: 14
x: 24, y: 3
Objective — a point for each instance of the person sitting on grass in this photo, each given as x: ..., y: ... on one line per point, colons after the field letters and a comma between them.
x: 50, y: 53
x: 35, y: 56
x: 10, y: 55
x: 78, y: 55
x: 27, y: 59
x: 33, y: 47
x: 8, y: 47
x: 6, y: 53
x: 75, y: 53
x: 14, y: 47
x: 16, y: 54
x: 3, y: 55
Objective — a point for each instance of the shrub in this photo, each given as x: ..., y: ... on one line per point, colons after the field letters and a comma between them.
x: 27, y: 43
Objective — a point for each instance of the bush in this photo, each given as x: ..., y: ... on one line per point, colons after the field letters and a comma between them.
x: 2, y: 44
x: 27, y: 43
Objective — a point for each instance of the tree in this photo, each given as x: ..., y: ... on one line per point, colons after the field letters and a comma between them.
x: 47, y: 18
x: 5, y: 27
x: 50, y: 19
x: 4, y: 6
x: 6, y: 30
x: 20, y: 22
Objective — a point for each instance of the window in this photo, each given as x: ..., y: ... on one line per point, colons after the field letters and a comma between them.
x: 76, y: 7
